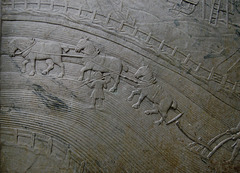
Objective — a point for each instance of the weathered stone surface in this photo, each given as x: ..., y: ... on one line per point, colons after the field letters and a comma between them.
x: 120, y: 86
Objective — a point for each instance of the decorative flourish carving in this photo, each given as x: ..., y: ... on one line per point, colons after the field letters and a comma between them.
x: 149, y: 88
x: 101, y: 63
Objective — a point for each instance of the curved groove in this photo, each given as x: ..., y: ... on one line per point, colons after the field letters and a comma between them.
x: 54, y: 129
x: 122, y: 119
x: 91, y: 11
x: 119, y: 113
x: 71, y: 119
x: 79, y: 92
x: 17, y: 125
x: 76, y: 112
x: 175, y: 71
x: 69, y: 18
x: 40, y: 136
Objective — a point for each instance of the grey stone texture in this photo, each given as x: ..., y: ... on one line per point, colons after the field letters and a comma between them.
x: 120, y: 86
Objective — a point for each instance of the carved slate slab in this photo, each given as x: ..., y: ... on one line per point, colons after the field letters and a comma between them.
x: 120, y: 86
